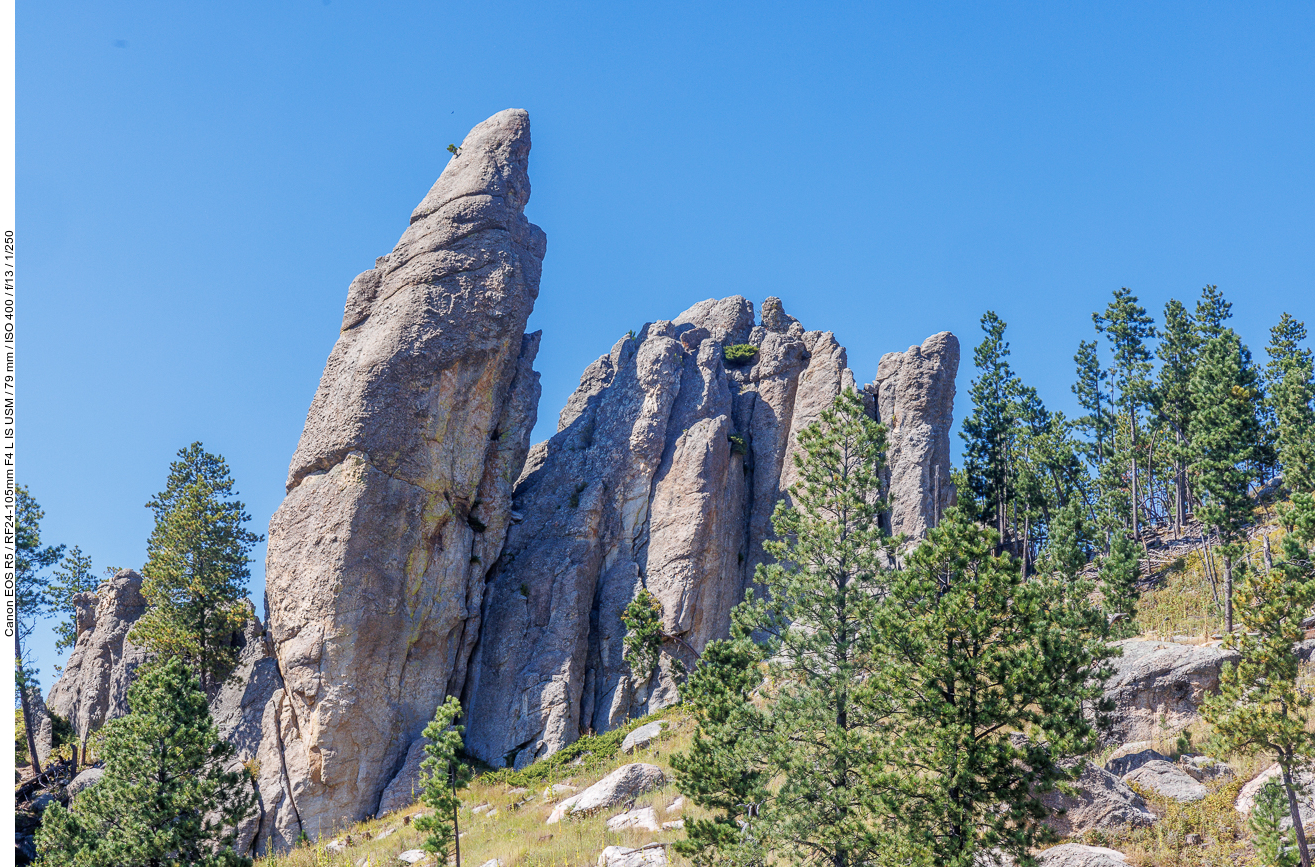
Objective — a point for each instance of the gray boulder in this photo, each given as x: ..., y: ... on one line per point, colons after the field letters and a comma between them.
x: 84, y: 780
x: 1130, y: 757
x: 1205, y: 768
x: 1077, y: 855
x: 398, y: 492
x: 1304, y: 783
x: 653, y: 855
x: 94, y: 686
x: 642, y: 736
x: 1168, y: 781
x: 1158, y: 687
x: 914, y: 393
x: 1102, y: 802
x: 618, y: 787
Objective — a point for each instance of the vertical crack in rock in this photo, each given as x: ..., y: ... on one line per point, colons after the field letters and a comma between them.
x: 398, y: 491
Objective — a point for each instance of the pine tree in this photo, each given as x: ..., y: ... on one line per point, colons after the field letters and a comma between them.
x: 1291, y: 378
x: 976, y: 652
x: 73, y: 576
x: 1127, y: 329
x: 1225, y: 432
x: 165, y: 797
x: 1178, y: 350
x: 196, y: 572
x: 1212, y: 311
x: 1259, y: 707
x: 988, y: 432
x: 723, y: 771
x: 823, y: 734
x: 444, y: 777
x: 30, y: 588
x: 1069, y: 546
x: 1274, y: 844
x: 1120, y: 570
x: 1089, y: 389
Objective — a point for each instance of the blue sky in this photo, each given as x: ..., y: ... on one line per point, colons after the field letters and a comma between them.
x: 198, y: 182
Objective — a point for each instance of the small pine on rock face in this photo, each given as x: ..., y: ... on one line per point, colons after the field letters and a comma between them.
x: 454, y: 150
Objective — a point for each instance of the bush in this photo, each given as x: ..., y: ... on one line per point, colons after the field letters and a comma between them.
x: 739, y: 353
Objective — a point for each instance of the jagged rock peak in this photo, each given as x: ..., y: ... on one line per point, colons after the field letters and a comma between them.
x: 94, y: 686
x: 914, y: 393
x: 399, y: 488
x: 663, y: 474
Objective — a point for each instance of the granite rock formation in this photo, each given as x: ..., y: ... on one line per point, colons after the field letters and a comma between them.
x: 914, y: 393
x: 1158, y: 687
x: 398, y: 491
x: 94, y: 686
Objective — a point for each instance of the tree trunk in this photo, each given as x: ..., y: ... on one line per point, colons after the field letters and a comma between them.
x: 1295, y: 812
x: 1269, y: 558
x: 1228, y: 595
x: 27, y: 712
x: 1132, y: 453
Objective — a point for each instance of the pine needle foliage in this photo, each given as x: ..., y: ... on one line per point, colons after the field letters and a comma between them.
x: 165, y: 799
x: 643, y: 642
x: 445, y: 776
x: 29, y: 599
x: 977, y: 652
x: 73, y: 576
x: 1291, y: 379
x: 1259, y: 707
x: 196, y: 571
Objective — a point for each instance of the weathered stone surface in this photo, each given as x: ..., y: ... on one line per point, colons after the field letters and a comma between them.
x: 398, y: 491
x: 1102, y: 802
x: 1077, y: 855
x: 1205, y: 768
x: 642, y: 736
x: 663, y: 475
x: 915, y: 401
x: 643, y: 819
x: 406, y: 787
x: 1130, y: 757
x: 620, y: 786
x: 1167, y: 780
x: 622, y: 856
x: 1158, y: 687
x: 94, y: 686
x: 1303, y: 782
x: 84, y: 780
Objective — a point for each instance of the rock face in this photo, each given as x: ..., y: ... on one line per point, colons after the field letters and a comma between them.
x: 915, y: 401
x: 1077, y: 855
x: 663, y: 473
x: 1158, y: 687
x: 1130, y: 757
x: 94, y: 686
x: 398, y: 491
x: 1168, y: 781
x: 1102, y: 803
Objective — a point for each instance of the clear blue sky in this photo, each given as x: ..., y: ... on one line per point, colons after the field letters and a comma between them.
x: 198, y: 182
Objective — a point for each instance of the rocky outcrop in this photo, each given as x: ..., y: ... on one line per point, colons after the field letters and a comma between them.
x: 407, y: 785
x: 1168, y: 781
x: 1130, y: 757
x: 1100, y: 802
x: 94, y: 686
x: 398, y: 491
x: 1078, y: 855
x: 618, y: 787
x: 667, y: 463
x: 914, y: 393
x: 1158, y: 687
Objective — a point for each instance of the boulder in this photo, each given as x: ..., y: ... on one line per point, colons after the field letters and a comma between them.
x: 618, y: 787
x: 642, y: 736
x: 398, y: 492
x: 621, y: 856
x: 1077, y: 855
x: 94, y: 686
x: 1130, y: 757
x: 1205, y: 768
x: 1304, y: 781
x: 84, y: 780
x: 406, y: 786
x: 643, y: 819
x: 1168, y: 781
x: 412, y: 856
x: 914, y: 392
x: 1157, y: 687
x: 1102, y: 802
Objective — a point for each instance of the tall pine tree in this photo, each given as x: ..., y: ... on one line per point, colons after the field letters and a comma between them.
x: 1225, y: 433
x: 165, y: 797
x: 196, y: 572
x: 1178, y: 350
x: 1291, y: 392
x: 30, y: 588
x: 988, y: 431
x: 73, y: 576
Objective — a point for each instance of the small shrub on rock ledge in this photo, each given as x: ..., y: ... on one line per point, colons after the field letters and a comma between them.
x: 739, y: 353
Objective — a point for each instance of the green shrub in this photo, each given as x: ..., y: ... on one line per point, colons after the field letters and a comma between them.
x: 739, y: 353
x: 737, y: 445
